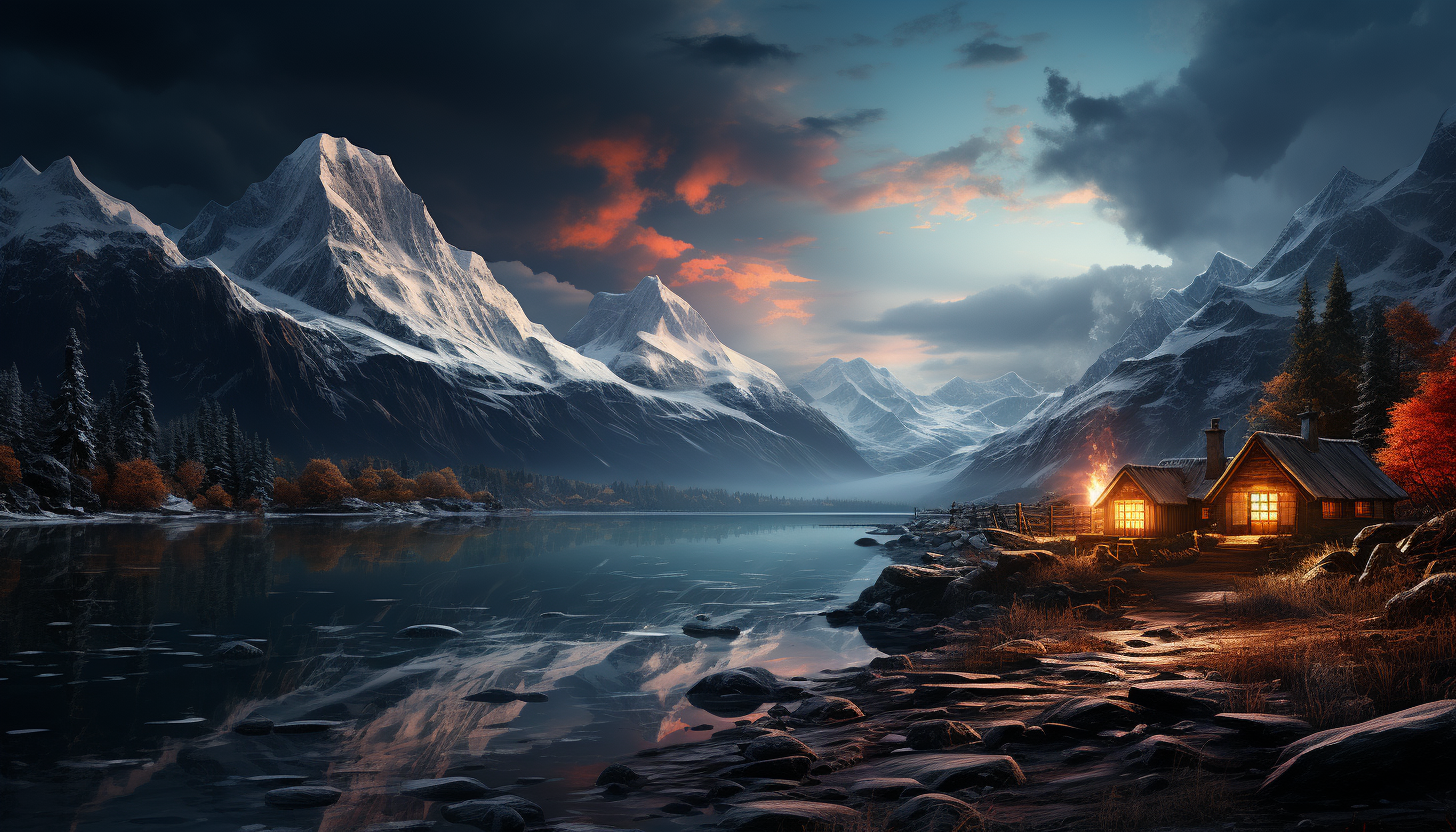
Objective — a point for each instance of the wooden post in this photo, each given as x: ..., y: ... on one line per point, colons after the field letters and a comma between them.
x: 1051, y: 520
x: 1020, y: 520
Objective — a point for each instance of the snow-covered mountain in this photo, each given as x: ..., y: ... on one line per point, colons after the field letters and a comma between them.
x: 327, y: 309
x: 897, y: 429
x: 1154, y: 391
x: 652, y: 337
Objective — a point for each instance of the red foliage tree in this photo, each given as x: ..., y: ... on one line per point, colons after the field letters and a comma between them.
x: 322, y: 483
x: 9, y: 467
x: 191, y: 474
x: 285, y: 492
x: 394, y: 487
x: 215, y: 497
x: 1417, y: 344
x: 441, y: 483
x: 1419, y: 451
x: 137, y: 485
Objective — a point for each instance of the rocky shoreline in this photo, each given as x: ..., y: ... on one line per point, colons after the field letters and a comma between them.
x: 957, y: 732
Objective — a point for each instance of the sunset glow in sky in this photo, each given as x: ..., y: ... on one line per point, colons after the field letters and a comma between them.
x: 943, y: 188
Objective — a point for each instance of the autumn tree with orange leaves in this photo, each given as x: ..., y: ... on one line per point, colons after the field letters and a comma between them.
x: 137, y: 485
x: 1419, y: 451
x: 322, y: 483
x: 10, y: 471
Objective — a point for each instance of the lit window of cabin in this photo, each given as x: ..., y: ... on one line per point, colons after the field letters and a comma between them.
x: 1129, y: 515
x: 1208, y: 512
x: 1333, y: 509
x: 1264, y: 513
x: 1364, y: 508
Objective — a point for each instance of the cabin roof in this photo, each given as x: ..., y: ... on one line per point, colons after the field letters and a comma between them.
x: 1162, y: 485
x: 1194, y: 469
x: 1340, y: 470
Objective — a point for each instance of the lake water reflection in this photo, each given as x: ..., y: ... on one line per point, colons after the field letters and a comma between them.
x: 116, y: 709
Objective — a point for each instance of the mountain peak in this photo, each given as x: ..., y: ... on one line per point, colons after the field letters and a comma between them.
x: 60, y: 206
x: 650, y: 336
x: 334, y: 226
x: 20, y: 167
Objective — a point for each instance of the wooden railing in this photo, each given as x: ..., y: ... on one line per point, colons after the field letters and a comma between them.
x: 1040, y: 520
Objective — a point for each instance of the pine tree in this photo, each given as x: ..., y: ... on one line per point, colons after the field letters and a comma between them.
x: 137, y: 422
x: 105, y: 428
x: 13, y: 406
x: 38, y: 415
x: 1340, y: 351
x: 1379, y: 382
x: 72, y: 441
x: 265, y: 469
x: 235, y: 454
x: 1295, y: 388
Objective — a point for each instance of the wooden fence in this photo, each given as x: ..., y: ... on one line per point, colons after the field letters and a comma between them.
x: 1042, y: 520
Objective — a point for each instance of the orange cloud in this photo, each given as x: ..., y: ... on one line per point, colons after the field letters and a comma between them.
x: 749, y: 276
x: 612, y: 223
x: 788, y: 308
x: 717, y: 167
x: 792, y: 242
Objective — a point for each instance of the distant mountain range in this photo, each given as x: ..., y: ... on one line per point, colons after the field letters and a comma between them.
x: 327, y: 309
x: 1205, y: 350
x: 898, y: 430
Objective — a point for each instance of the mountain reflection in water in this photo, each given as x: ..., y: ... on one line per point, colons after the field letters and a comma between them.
x: 116, y: 708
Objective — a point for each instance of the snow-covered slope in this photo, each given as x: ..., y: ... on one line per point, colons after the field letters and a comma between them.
x: 652, y: 337
x: 327, y: 309
x: 1395, y: 239
x: 898, y: 430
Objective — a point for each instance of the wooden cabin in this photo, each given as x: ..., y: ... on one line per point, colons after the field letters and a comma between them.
x: 1284, y: 484
x: 1276, y: 484
x: 1164, y: 499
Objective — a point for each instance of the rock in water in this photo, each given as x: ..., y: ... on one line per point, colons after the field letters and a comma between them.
x: 1410, y: 751
x: 948, y: 771
x: 932, y: 813
x: 740, y: 691
x: 779, y: 768
x: 238, y: 651
x: 617, y: 773
x: 710, y: 631
x: 1433, y: 597
x: 867, y: 541
x: 1090, y: 713
x: 254, y: 726
x: 304, y: 726
x: 478, y: 812
x: 486, y: 816
x: 447, y: 788
x: 790, y: 816
x: 302, y: 797
x: 493, y: 695
x: 428, y: 631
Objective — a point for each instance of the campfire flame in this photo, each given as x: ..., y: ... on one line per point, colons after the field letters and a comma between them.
x: 1102, y: 452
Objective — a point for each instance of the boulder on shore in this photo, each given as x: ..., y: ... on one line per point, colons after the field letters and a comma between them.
x: 932, y: 813
x: 1410, y: 751
x: 1431, y: 538
x: 1432, y: 597
x: 302, y: 797
x: 790, y: 816
x: 1371, y: 536
x: 739, y: 691
x: 937, y: 734
x: 823, y: 710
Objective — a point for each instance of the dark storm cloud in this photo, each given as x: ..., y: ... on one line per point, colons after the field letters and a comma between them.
x: 839, y: 125
x: 734, y: 50
x: 1086, y: 312
x: 1261, y: 74
x: 985, y: 52
x: 480, y: 105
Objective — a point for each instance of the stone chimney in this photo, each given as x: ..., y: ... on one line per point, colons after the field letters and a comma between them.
x: 1309, y: 430
x: 1216, y: 460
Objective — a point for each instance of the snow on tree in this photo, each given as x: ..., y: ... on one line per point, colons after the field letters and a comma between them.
x: 137, y: 419
x: 72, y: 440
x: 13, y: 406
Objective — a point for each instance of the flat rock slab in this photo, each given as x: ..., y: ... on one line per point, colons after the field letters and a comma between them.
x: 1090, y: 713
x: 302, y: 797
x: 1091, y: 672
x: 948, y: 772
x: 929, y: 694
x: 1192, y: 696
x: 885, y: 788
x: 774, y: 746
x: 1272, y: 726
x: 790, y: 816
x: 932, y: 813
x: 949, y: 677
x: 779, y: 768
x: 477, y: 809
x: 1404, y: 752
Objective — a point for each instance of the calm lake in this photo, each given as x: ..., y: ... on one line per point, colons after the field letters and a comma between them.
x: 116, y: 712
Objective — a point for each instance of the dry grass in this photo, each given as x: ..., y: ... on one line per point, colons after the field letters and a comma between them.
x: 1192, y: 797
x: 1282, y: 594
x: 1077, y: 570
x: 1055, y: 628
x: 1340, y: 677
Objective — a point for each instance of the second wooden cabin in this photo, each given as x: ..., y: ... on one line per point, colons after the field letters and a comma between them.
x: 1276, y: 484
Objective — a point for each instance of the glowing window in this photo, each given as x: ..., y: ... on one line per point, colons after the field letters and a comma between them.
x: 1207, y: 512
x: 1264, y: 508
x: 1332, y: 509
x: 1128, y: 515
x: 1364, y: 508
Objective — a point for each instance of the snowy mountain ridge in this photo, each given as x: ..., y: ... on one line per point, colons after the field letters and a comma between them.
x: 896, y: 429
x: 325, y: 306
